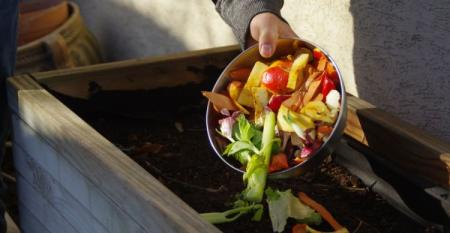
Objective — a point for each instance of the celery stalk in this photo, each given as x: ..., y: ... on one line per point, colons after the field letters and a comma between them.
x: 229, y: 215
x: 257, y: 167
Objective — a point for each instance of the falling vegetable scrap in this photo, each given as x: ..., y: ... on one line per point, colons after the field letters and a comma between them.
x: 275, y: 115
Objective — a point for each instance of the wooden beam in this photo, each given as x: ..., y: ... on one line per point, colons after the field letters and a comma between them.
x: 49, y: 191
x: 138, y: 74
x: 29, y: 223
x: 70, y: 182
x: 103, y: 164
x: 45, y: 213
x: 406, y: 146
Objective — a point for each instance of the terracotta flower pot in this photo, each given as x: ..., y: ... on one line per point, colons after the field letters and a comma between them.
x: 39, y: 18
x: 68, y: 45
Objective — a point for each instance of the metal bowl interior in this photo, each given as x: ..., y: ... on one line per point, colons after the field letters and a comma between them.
x: 247, y: 59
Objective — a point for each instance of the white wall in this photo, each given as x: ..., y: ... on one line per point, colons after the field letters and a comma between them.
x: 395, y: 54
x: 141, y: 28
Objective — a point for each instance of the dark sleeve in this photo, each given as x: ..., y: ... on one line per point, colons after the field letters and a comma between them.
x: 9, y: 10
x: 239, y: 13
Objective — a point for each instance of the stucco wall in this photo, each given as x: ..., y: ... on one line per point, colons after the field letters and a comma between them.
x: 394, y: 54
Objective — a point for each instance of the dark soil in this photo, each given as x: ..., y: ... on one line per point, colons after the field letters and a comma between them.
x: 164, y: 132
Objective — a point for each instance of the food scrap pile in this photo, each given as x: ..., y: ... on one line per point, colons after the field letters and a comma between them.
x: 275, y: 116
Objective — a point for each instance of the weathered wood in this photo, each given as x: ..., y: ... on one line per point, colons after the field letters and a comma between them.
x: 151, y: 203
x: 51, y: 191
x: 405, y: 145
x: 136, y: 74
x: 46, y: 213
x: 29, y: 222
x: 69, y: 178
x: 353, y: 126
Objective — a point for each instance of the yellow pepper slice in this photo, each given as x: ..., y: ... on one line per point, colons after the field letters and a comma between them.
x: 318, y: 111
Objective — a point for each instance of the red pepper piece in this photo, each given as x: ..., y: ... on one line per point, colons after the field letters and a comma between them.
x: 317, y: 54
x: 327, y: 85
x: 276, y: 100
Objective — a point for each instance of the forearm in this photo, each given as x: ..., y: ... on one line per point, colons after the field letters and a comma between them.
x: 239, y: 13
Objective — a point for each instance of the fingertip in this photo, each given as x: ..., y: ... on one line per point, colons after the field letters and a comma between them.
x: 267, y: 44
x: 266, y: 50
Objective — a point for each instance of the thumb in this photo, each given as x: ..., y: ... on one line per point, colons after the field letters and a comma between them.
x: 267, y: 42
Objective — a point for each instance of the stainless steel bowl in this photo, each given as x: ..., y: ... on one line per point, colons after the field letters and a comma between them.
x: 247, y: 59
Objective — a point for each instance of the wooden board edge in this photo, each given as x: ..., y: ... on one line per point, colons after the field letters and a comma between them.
x: 23, y: 82
x: 38, y: 107
x: 66, y: 178
x: 55, y: 75
x: 29, y: 223
x: 44, y: 212
x: 408, y: 147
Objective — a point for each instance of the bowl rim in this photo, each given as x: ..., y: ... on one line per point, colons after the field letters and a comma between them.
x: 341, y: 116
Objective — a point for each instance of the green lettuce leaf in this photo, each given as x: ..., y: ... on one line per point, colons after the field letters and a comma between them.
x: 284, y: 205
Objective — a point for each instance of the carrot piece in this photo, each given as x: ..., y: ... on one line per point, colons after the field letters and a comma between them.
x: 321, y: 210
x: 313, y: 90
x: 325, y: 129
x: 278, y: 162
x: 240, y: 74
x: 299, y: 228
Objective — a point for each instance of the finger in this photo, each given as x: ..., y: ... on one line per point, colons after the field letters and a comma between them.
x: 267, y: 42
x: 287, y: 32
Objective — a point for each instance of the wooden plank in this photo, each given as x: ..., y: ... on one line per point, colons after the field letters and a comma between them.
x: 406, y: 146
x: 120, y: 178
x: 44, y: 211
x: 68, y: 178
x: 29, y: 223
x: 353, y: 127
x: 52, y: 192
x: 137, y: 74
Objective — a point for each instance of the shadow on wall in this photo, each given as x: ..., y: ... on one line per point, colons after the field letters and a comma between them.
x: 401, y: 59
x: 115, y: 25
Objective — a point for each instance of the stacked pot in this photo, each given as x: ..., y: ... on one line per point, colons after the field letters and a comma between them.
x: 52, y: 35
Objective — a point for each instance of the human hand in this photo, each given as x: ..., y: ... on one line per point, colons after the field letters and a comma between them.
x: 265, y: 29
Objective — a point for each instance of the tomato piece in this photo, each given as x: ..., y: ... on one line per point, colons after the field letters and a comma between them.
x: 276, y: 100
x: 327, y: 85
x: 278, y: 162
x: 275, y: 79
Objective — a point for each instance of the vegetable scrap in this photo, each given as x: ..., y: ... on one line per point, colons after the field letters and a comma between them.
x: 302, y: 90
x: 274, y: 116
